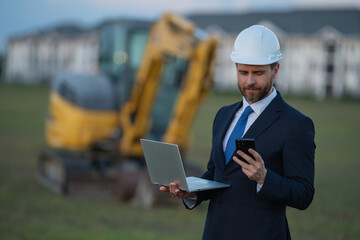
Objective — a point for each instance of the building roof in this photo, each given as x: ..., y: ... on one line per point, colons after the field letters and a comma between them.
x: 64, y: 30
x: 346, y: 21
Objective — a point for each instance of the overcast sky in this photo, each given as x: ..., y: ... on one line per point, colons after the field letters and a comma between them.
x: 22, y: 16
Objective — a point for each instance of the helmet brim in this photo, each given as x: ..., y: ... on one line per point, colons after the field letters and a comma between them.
x: 255, y: 60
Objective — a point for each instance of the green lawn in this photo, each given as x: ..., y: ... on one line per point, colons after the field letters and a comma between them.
x: 29, y: 211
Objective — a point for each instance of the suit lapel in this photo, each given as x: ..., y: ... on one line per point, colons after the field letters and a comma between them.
x: 226, y: 120
x: 229, y: 118
x: 266, y: 118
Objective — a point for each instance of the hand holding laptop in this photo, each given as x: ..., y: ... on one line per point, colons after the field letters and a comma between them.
x: 176, y: 192
x: 165, y: 168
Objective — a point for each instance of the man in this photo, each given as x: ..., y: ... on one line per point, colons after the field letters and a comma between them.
x: 282, y: 171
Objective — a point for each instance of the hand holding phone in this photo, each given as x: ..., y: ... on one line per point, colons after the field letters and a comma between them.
x: 243, y: 144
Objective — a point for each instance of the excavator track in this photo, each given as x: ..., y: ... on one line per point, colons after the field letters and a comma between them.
x: 70, y: 175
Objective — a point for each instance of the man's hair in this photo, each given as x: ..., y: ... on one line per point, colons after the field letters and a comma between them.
x: 273, y: 65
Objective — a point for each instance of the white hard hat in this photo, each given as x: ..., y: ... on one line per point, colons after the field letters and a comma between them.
x: 256, y: 45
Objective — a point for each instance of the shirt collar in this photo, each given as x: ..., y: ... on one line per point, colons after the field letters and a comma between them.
x: 260, y: 106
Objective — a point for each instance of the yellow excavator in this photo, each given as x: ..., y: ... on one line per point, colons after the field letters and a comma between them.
x: 153, y: 79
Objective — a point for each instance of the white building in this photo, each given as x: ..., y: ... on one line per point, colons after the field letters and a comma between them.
x: 321, y: 49
x: 38, y: 57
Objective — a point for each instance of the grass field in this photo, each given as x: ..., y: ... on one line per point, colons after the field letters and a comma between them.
x: 28, y: 211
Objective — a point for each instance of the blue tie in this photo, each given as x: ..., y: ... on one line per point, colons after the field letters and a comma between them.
x: 237, y: 133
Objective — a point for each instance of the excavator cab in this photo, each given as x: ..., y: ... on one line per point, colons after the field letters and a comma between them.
x: 122, y: 44
x: 84, y: 112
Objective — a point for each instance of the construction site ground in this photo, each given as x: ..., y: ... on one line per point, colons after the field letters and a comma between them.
x: 30, y: 211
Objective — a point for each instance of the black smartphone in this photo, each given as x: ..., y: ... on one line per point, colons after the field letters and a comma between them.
x: 244, y: 144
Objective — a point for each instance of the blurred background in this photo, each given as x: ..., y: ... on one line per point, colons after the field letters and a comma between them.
x: 81, y: 58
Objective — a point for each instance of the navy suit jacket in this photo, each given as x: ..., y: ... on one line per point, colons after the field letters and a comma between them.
x: 284, y: 138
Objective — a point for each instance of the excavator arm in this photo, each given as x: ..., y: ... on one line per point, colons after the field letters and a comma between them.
x: 170, y: 38
x: 198, y: 82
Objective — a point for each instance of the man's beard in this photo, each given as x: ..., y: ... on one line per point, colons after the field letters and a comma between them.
x: 257, y: 96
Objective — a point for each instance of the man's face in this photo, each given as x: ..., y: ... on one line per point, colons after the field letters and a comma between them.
x: 255, y: 82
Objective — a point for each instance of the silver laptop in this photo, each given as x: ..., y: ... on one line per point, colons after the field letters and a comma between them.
x: 165, y: 166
